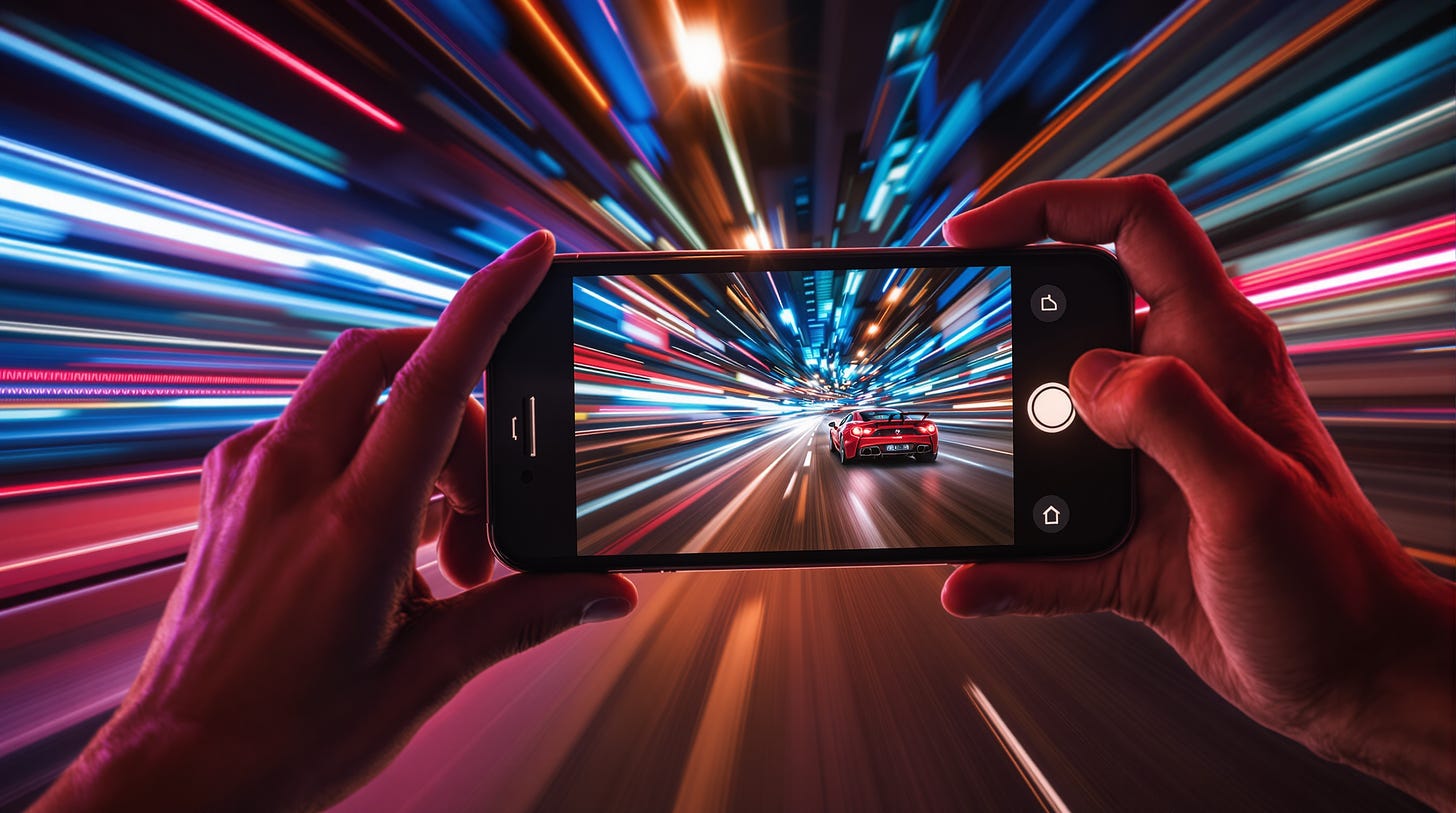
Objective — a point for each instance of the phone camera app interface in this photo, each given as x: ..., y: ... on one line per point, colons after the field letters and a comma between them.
x: 793, y: 410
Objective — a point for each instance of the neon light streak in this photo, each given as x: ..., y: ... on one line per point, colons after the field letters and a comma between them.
x: 36, y: 489
x: 293, y: 63
x: 19, y: 564
x: 1179, y: 19
x: 543, y: 23
x: 734, y: 160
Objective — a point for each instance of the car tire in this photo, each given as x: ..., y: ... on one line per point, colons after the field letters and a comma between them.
x: 927, y: 458
x: 842, y: 458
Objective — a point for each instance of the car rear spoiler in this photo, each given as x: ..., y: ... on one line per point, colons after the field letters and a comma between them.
x: 913, y: 416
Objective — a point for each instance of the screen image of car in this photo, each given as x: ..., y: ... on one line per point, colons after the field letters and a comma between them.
x: 793, y: 411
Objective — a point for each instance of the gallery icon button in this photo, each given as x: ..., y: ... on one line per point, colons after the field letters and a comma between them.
x: 1048, y: 303
x: 1051, y: 514
x: 1050, y: 407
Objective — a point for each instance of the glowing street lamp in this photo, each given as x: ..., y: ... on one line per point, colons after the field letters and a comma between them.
x: 701, y: 54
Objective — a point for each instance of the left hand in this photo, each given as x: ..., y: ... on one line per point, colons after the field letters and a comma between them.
x: 301, y: 649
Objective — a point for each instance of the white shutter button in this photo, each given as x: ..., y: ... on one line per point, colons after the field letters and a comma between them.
x: 1051, y: 407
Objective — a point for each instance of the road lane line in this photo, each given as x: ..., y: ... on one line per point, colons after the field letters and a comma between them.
x: 792, y: 478
x: 707, y: 780
x: 642, y: 485
x: 701, y: 538
x: 808, y: 457
x: 866, y: 522
x: 973, y: 463
x: 1035, y: 779
x: 974, y: 446
x: 803, y: 494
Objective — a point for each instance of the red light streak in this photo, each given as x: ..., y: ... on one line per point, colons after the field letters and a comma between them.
x: 1429, y: 338
x: 153, y: 379
x: 56, y: 486
x: 293, y: 63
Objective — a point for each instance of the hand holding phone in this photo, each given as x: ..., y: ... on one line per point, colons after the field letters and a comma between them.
x: 661, y: 411
x: 1256, y: 555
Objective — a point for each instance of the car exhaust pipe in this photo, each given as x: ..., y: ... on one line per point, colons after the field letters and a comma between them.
x: 923, y: 448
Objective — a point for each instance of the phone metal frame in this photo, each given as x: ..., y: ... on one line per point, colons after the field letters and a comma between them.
x: 530, y: 404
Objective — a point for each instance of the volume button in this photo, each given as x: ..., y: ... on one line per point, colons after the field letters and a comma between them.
x: 531, y: 426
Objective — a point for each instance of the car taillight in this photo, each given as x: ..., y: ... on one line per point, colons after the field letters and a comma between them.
x: 857, y: 431
x: 927, y: 428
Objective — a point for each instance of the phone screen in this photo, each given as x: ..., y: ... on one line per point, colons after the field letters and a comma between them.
x: 793, y: 410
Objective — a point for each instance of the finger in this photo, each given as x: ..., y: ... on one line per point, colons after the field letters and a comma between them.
x: 464, y: 550
x: 440, y: 650
x: 1164, y: 251
x: 410, y: 440
x: 1030, y: 588
x: 1160, y: 406
x: 332, y: 408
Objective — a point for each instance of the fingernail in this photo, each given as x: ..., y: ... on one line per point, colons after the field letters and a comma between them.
x: 1093, y: 370
x: 605, y: 609
x: 530, y: 244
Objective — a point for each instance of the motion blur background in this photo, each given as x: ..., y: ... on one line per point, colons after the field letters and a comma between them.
x: 195, y: 198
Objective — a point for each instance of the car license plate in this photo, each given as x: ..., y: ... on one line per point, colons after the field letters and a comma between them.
x: 897, y: 447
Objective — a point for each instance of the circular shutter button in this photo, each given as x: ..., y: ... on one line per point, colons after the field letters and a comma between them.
x: 1051, y: 407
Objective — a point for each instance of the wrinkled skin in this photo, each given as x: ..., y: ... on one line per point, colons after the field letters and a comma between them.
x: 1256, y: 556
x: 301, y: 649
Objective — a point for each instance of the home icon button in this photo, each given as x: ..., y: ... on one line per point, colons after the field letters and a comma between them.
x: 1051, y: 514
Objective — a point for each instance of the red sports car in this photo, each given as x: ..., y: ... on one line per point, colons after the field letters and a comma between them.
x: 876, y: 433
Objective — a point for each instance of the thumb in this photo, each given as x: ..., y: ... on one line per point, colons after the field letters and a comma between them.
x: 1160, y: 406
x: 457, y: 638
x: 1031, y: 588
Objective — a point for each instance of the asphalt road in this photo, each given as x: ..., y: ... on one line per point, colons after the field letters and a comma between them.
x: 782, y: 487
x: 845, y: 689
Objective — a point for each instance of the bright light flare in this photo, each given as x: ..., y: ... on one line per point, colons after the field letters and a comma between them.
x: 701, y: 53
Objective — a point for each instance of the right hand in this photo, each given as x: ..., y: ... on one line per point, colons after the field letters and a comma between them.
x: 1256, y: 556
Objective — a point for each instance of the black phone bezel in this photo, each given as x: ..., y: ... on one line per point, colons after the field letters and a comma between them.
x: 532, y: 490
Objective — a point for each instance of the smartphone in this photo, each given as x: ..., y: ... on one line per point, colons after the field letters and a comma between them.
x: 722, y: 409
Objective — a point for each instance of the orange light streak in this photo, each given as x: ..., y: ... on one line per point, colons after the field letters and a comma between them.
x: 1254, y: 74
x: 1061, y: 121
x: 548, y: 29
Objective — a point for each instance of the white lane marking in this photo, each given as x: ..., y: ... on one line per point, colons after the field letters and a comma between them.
x: 808, y: 456
x: 1033, y: 775
x: 974, y: 446
x: 710, y: 530
x: 99, y: 546
x: 810, y: 444
x: 792, y: 478
x: 863, y: 514
x: 950, y: 456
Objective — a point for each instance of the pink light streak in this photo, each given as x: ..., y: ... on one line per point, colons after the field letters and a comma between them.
x: 86, y: 483
x: 293, y: 63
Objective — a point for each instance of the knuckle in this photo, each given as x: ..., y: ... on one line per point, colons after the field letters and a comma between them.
x: 420, y: 382
x: 353, y: 340
x: 1157, y: 377
x: 1150, y: 186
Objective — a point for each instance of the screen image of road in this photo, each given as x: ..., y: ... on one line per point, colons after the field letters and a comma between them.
x: 793, y: 410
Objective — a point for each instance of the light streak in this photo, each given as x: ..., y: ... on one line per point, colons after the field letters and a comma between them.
x: 96, y: 80
x: 71, y: 553
x: 548, y: 30
x: 87, y: 483
x: 1179, y: 19
x: 242, y: 31
x: 740, y: 176
x: 1281, y: 56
